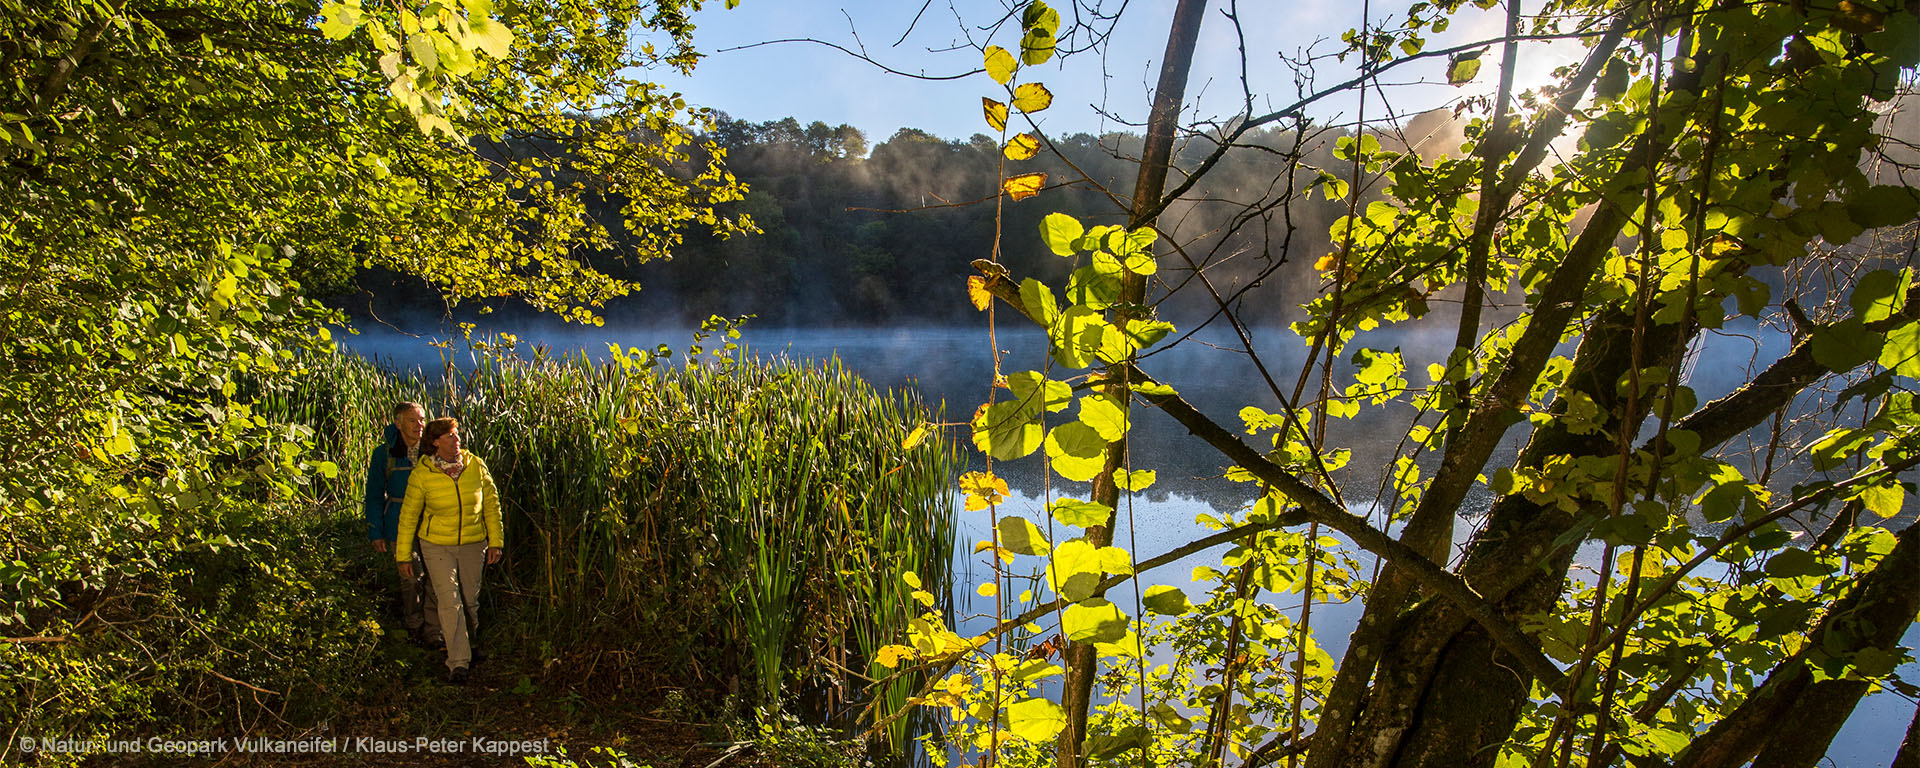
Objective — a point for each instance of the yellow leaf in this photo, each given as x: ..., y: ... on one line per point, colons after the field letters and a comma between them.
x: 987, y: 589
x: 1000, y: 64
x: 1327, y: 262
x: 996, y: 113
x: 1024, y: 186
x: 1032, y: 97
x: 1022, y: 147
x: 977, y: 292
x: 982, y: 489
x: 890, y: 656
x: 915, y: 438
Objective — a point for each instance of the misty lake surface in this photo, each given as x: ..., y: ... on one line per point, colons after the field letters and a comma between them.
x: 955, y: 366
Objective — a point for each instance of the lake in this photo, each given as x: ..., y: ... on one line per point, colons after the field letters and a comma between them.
x: 955, y: 366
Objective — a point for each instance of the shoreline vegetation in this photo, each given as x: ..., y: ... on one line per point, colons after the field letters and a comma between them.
x: 696, y: 554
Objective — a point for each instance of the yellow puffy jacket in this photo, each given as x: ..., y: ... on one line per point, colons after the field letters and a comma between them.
x: 446, y: 511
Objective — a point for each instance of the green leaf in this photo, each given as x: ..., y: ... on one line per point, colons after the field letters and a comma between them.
x: 1884, y: 499
x: 1093, y: 287
x: 1108, y: 746
x: 1883, y: 206
x: 339, y: 19
x: 1166, y: 600
x: 1021, y: 537
x: 1036, y: 720
x: 1076, y: 451
x: 1007, y: 431
x: 1036, y: 47
x: 1037, y: 391
x: 494, y: 38
x: 1146, y: 333
x: 1106, y: 415
x: 1794, y: 562
x: 1901, y: 354
x: 1171, y: 718
x: 1039, y: 300
x: 1039, y: 16
x: 1845, y: 345
x: 1880, y: 294
x: 1077, y: 335
x: 1079, y: 513
x: 1093, y: 620
x: 118, y: 441
x: 999, y: 64
x: 1074, y: 572
x: 1060, y: 232
x: 1137, y: 480
x: 1462, y: 68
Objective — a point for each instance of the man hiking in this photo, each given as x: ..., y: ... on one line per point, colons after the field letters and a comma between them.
x: 387, y: 474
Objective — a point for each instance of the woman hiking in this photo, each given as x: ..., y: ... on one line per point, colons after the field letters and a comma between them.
x: 452, y: 503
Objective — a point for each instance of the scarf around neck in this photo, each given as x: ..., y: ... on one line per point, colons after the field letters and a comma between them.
x: 450, y: 468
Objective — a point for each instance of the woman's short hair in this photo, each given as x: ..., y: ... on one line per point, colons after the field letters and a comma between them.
x: 435, y: 430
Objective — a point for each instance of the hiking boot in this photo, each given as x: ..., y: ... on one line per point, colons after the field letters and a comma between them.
x: 458, y: 676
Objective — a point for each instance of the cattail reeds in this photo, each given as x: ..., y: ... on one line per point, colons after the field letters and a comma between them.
x: 761, y: 509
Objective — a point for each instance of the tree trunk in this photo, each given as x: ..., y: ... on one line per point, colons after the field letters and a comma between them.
x: 1874, y: 614
x: 1082, y: 664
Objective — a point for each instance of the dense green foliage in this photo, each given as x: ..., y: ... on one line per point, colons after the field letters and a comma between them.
x: 179, y: 176
x: 1736, y: 587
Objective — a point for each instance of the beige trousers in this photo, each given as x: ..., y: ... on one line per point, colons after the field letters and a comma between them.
x: 454, y: 573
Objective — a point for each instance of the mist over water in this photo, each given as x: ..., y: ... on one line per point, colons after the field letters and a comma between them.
x: 952, y: 368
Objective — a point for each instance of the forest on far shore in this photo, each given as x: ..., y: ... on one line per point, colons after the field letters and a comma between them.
x: 860, y: 233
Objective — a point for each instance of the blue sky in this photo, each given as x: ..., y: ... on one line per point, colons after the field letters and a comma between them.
x: 813, y: 82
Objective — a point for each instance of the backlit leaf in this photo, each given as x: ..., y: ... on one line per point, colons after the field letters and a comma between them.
x: 1137, y: 480
x: 1106, y: 415
x: 1000, y: 64
x: 915, y: 438
x: 1166, y: 600
x: 1024, y: 185
x: 1901, y: 353
x: 1060, y: 231
x: 1036, y: 47
x: 1031, y: 97
x: 977, y: 292
x: 1036, y: 720
x: 996, y: 113
x: 1076, y: 451
x: 339, y: 19
x: 1022, y: 147
x: 1021, y: 536
x: 1884, y: 499
x: 1093, y: 620
x: 1079, y: 513
x: 1461, y: 69
x: 1006, y: 431
x: 1037, y: 391
x: 1039, y: 301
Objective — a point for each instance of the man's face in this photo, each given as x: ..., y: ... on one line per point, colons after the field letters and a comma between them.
x: 411, y: 423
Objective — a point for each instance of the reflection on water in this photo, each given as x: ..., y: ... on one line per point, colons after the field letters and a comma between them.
x: 955, y: 366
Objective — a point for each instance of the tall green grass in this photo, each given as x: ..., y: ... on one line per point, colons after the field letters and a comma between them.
x: 761, y: 511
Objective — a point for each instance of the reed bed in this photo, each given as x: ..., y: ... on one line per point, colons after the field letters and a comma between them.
x: 759, y: 513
